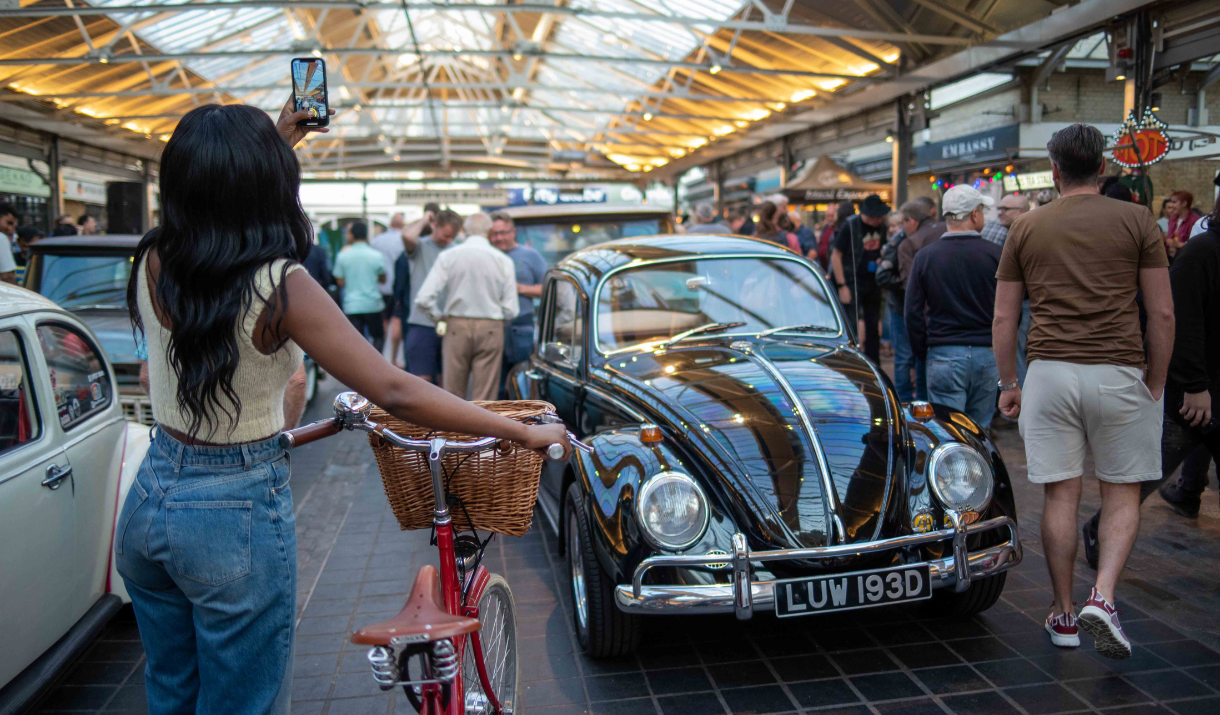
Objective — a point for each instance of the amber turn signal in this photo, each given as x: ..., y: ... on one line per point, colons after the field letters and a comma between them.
x: 921, y: 410
x: 650, y: 434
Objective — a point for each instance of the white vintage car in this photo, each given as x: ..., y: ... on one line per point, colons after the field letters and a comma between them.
x: 67, y: 459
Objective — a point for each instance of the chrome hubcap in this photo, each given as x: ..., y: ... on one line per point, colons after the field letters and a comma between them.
x: 581, y: 603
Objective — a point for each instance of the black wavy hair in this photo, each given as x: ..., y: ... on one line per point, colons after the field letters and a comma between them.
x: 229, y: 207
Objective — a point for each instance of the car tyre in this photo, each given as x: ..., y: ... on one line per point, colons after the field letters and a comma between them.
x: 602, y: 629
x: 981, y: 595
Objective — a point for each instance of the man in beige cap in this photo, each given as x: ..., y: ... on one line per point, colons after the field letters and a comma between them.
x: 949, y: 303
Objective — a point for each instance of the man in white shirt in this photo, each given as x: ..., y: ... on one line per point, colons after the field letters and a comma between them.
x: 479, y: 288
x: 389, y: 244
x: 8, y: 232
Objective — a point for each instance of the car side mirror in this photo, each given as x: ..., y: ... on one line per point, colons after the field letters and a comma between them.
x: 557, y: 352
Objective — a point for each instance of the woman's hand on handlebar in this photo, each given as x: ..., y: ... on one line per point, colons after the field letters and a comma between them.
x: 539, y: 437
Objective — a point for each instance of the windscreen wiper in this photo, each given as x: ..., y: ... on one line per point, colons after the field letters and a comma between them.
x: 799, y: 328
x: 706, y: 328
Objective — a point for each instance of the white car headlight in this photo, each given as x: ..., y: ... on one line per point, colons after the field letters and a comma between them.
x: 672, y: 510
x: 961, y: 478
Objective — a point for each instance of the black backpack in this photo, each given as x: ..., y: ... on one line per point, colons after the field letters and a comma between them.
x: 888, y: 276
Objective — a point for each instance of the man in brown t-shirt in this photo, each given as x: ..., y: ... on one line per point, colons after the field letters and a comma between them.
x: 1083, y: 258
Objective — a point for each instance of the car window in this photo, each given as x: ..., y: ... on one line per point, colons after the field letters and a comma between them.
x: 567, y: 325
x: 78, y: 282
x: 19, y: 423
x: 654, y: 302
x: 554, y: 240
x: 78, y: 374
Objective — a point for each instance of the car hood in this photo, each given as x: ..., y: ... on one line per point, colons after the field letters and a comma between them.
x: 778, y: 424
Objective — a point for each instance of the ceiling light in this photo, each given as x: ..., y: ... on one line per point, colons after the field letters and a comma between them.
x: 889, y: 138
x: 715, y: 69
x: 779, y: 106
x: 389, y: 150
x: 165, y: 137
x: 103, y: 60
x: 659, y: 161
x: 316, y: 53
x: 1121, y: 77
x: 356, y: 108
x: 742, y: 123
x: 647, y: 116
x: 831, y: 84
x: 397, y: 157
x: 503, y: 107
x: 380, y: 137
x: 677, y: 153
x: 517, y: 56
x: 802, y: 94
x: 696, y: 143
x: 722, y: 130
x: 633, y: 167
x: 758, y: 114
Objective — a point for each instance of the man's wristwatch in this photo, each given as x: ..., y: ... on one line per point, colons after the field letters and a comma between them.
x: 1009, y: 386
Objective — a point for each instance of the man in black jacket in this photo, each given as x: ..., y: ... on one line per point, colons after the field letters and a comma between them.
x: 856, y: 252
x: 950, y: 302
x: 1193, y: 383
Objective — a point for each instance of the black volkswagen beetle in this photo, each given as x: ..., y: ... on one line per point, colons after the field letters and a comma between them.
x: 748, y: 457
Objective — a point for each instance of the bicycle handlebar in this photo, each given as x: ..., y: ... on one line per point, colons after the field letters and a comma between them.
x: 309, y: 433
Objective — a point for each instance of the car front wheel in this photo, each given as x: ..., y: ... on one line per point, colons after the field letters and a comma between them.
x: 601, y: 628
x: 981, y: 595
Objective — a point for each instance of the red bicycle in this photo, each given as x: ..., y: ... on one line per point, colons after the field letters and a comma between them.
x: 462, y: 614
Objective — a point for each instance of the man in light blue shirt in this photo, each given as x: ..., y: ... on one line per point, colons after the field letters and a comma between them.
x: 359, y: 270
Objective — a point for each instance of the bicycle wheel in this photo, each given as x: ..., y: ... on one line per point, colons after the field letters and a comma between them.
x: 499, y: 637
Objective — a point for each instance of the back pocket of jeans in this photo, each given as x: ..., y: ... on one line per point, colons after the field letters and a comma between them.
x: 209, y: 541
x: 1121, y: 405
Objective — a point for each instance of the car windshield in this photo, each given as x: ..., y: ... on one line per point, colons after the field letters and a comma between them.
x: 558, y: 238
x: 652, y: 303
x: 79, y: 282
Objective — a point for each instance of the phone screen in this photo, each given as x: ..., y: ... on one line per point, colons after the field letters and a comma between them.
x: 309, y: 90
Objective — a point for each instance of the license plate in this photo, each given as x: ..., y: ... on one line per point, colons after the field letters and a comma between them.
x: 849, y: 591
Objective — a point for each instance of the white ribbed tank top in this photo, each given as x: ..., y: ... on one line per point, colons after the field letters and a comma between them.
x: 260, y: 380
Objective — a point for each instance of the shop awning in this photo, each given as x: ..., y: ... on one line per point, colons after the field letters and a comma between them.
x: 825, y: 180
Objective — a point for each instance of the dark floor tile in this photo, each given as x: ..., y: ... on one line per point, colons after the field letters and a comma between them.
x: 922, y: 706
x: 925, y: 656
x: 823, y: 693
x: 736, y: 675
x: 608, y: 666
x: 100, y: 673
x: 1010, y: 623
x: 695, y: 704
x: 313, y: 645
x: 355, y: 685
x: 782, y: 646
x: 864, y: 661
x: 1141, y: 659
x: 988, y: 702
x: 886, y: 686
x: 1009, y: 673
x: 1209, y: 674
x: 548, y: 667
x: 1185, y: 653
x: 1151, y: 631
x: 973, y: 650
x: 953, y: 628
x: 129, y: 699
x: 77, y: 697
x: 637, y: 706
x: 846, y: 710
x: 843, y: 639
x: 678, y: 680
x: 114, y: 651
x: 564, y: 691
x: 726, y: 651
x: 803, y: 667
x: 901, y: 634
x: 1169, y: 685
x: 541, y: 645
x: 323, y: 625
x: 336, y: 590
x: 1204, y: 706
x: 364, y: 705
x: 616, y: 687
x: 1145, y: 709
x: 337, y: 607
x: 1045, y: 699
x: 765, y: 699
x: 312, y: 688
x: 1031, y: 644
x: 667, y: 656
x: 1108, y: 692
x: 953, y: 679
x: 1072, y: 665
x: 321, y: 664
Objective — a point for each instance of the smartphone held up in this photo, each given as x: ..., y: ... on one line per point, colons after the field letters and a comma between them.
x: 309, y: 91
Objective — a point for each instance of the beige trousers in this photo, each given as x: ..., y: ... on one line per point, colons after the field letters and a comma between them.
x: 471, y: 352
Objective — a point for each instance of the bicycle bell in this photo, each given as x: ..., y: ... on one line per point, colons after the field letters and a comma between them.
x: 351, y: 407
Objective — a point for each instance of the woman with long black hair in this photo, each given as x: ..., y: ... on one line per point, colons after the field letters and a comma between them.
x: 206, y: 540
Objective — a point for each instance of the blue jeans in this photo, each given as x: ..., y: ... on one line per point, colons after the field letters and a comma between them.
x: 964, y: 377
x: 1022, y: 338
x: 206, y: 543
x: 905, y: 360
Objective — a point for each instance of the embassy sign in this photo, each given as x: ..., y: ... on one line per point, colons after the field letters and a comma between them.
x: 988, y: 145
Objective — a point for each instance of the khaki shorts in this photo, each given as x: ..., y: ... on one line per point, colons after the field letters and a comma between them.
x: 1066, y: 407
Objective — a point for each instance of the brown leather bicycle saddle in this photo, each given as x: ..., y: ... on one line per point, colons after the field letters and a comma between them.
x: 422, y: 619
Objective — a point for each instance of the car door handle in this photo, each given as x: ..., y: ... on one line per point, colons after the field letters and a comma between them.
x: 55, y: 476
x: 533, y: 375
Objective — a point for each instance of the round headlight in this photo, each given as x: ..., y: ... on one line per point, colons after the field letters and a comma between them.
x: 960, y: 477
x: 673, y: 510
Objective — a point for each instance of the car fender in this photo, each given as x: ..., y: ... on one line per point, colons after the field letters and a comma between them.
x: 610, y: 479
x: 136, y: 440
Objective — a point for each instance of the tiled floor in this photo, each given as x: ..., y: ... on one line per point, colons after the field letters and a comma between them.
x: 355, y: 565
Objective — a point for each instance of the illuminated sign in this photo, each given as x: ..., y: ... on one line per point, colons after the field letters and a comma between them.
x: 484, y: 197
x: 1028, y: 182
x: 1140, y: 143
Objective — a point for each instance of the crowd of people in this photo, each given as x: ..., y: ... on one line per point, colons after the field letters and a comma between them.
x: 15, y: 240
x: 455, y: 294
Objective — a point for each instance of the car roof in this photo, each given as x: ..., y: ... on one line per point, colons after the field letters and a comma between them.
x: 15, y: 301
x: 592, y: 262
x: 80, y: 243
x: 580, y: 210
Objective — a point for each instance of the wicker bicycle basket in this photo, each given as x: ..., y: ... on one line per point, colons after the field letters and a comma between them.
x: 493, y: 490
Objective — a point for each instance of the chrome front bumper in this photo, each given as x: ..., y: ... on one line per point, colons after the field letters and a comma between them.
x: 742, y: 594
